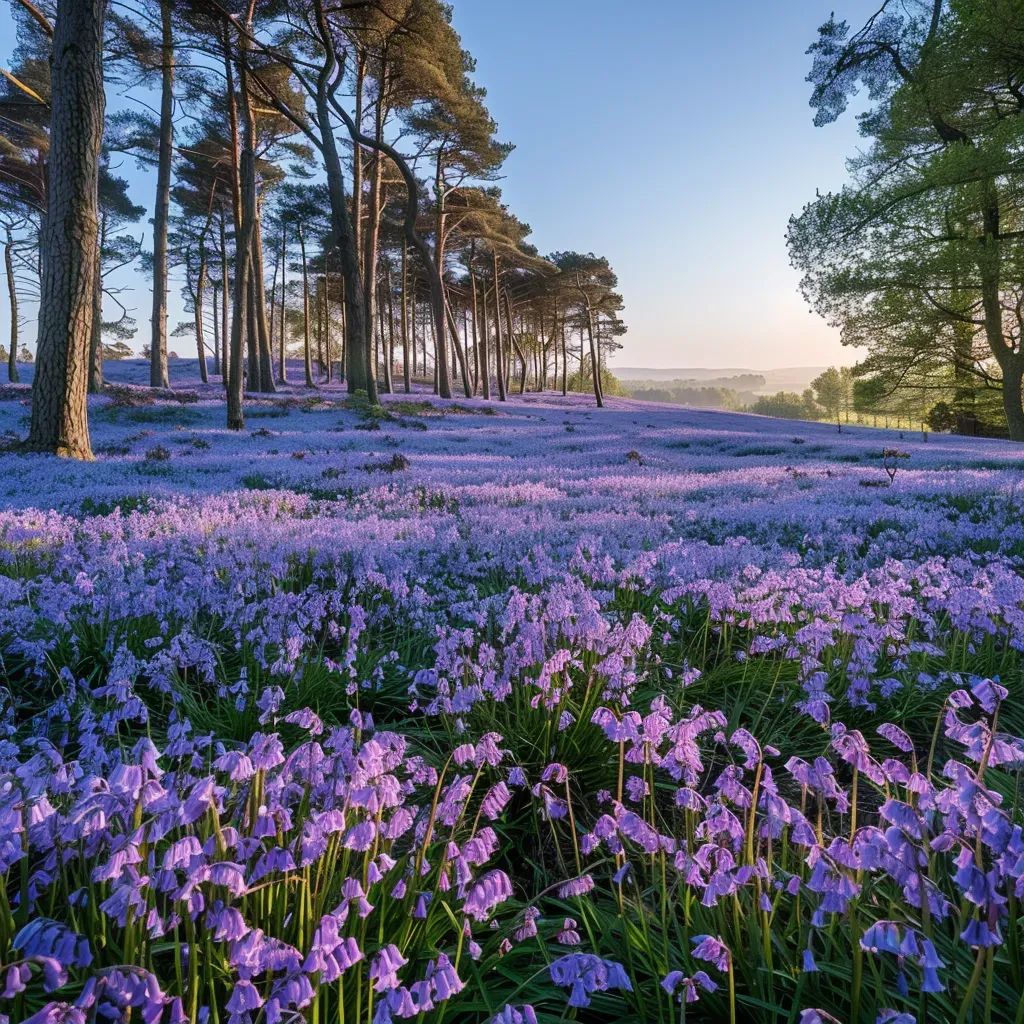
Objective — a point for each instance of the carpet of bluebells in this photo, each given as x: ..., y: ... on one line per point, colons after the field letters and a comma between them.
x: 506, y: 712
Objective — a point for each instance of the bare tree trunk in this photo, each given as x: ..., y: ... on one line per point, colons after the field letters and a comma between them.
x: 306, y: 349
x: 460, y: 356
x: 500, y: 355
x: 476, y: 340
x: 595, y: 367
x: 554, y: 350
x: 405, y: 317
x: 265, y: 352
x: 216, y: 333
x: 284, y: 299
x: 355, y: 310
x: 385, y: 385
x: 390, y: 364
x: 96, y: 336
x: 434, y: 278
x: 318, y: 324
x: 372, y: 243
x: 252, y: 361
x: 412, y: 301
x: 244, y: 239
x: 357, y: 162
x: 989, y: 260
x: 485, y: 362
x: 158, y: 376
x: 12, y: 291
x: 252, y: 353
x: 200, y: 342
x: 343, y: 358
x: 565, y: 362
x: 327, y: 317
x: 60, y: 420
x: 514, y: 341
x: 225, y: 287
x: 465, y: 344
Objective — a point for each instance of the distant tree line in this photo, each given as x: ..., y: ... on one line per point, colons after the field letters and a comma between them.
x: 384, y: 258
x: 730, y: 393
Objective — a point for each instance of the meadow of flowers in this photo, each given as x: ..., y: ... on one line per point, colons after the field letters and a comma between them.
x: 481, y: 712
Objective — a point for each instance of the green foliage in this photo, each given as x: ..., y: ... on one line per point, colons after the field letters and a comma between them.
x: 787, y: 405
x: 583, y: 383
x: 919, y: 259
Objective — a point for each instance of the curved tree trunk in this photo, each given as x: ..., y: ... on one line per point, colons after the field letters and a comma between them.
x: 158, y: 376
x: 359, y: 379
x: 60, y: 422
x: 12, y: 291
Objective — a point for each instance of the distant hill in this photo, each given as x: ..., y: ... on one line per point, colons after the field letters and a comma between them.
x: 794, y: 378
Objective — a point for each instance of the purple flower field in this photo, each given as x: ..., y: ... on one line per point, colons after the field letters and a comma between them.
x: 475, y: 711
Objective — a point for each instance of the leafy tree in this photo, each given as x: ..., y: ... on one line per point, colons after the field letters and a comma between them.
x: 920, y: 257
x: 829, y: 392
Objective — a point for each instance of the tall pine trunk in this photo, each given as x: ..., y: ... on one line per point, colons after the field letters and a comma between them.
x: 391, y: 329
x: 371, y: 244
x: 565, y: 361
x: 264, y: 353
x: 200, y: 341
x: 485, y: 361
x: 500, y: 354
x: 12, y: 292
x: 405, y: 317
x: 60, y: 421
x: 284, y: 299
x: 306, y: 352
x: 216, y: 334
x: 158, y: 376
x: 225, y: 289
x: 96, y: 338
x: 476, y: 337
x: 244, y: 241
x: 355, y: 311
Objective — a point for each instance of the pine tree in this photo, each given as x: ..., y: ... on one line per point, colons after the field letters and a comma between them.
x: 70, y: 233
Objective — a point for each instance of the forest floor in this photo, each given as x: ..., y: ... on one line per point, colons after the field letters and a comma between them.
x: 523, y: 574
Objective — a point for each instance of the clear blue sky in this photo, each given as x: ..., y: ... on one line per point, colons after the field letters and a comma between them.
x: 672, y: 136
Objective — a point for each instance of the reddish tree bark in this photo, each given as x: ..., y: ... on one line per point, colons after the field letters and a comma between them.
x: 60, y: 422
